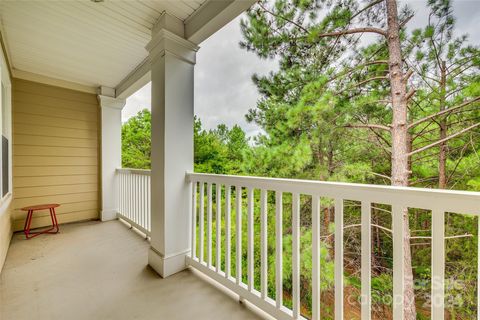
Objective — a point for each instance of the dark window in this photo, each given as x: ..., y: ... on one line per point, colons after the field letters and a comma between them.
x: 5, y: 166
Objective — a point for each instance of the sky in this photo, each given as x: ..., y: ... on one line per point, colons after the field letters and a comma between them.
x: 224, y: 91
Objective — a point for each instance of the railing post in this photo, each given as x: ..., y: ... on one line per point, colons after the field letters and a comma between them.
x: 111, y: 149
x: 172, y: 60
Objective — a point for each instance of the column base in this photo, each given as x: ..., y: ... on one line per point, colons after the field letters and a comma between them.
x: 167, y: 266
x: 107, y: 215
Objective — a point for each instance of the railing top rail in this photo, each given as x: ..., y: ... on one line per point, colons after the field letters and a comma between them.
x: 146, y: 172
x: 422, y: 198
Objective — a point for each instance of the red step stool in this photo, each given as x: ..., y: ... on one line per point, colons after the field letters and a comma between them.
x: 51, y: 207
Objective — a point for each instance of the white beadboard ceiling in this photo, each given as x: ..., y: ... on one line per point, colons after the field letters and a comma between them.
x: 82, y: 41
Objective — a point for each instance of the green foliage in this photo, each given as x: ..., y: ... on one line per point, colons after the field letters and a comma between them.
x: 136, y: 142
x: 221, y: 150
x: 313, y: 107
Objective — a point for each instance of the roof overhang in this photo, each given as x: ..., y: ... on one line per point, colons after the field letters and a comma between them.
x: 92, y: 44
x: 207, y: 20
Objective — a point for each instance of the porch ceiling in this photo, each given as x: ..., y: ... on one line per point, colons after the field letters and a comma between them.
x: 91, y: 43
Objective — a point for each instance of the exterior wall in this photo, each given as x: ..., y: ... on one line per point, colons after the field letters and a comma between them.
x: 6, y: 202
x: 55, y: 152
x: 5, y: 229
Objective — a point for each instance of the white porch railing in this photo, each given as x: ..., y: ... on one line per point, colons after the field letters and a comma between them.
x: 134, y: 198
x: 438, y: 202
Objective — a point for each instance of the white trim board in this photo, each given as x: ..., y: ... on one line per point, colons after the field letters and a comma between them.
x: 25, y: 75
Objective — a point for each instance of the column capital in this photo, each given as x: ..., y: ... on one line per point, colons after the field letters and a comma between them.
x: 111, y: 102
x: 166, y: 42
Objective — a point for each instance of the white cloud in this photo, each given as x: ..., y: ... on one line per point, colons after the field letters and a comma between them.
x: 138, y: 101
x: 223, y: 87
x: 224, y: 90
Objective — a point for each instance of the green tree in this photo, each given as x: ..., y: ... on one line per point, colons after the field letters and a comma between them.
x: 136, y: 142
x: 220, y: 150
x: 327, y: 83
x: 448, y: 96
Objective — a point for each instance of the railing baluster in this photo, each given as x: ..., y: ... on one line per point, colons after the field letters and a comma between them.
x: 338, y: 259
x: 149, y: 209
x: 228, y: 226
x: 201, y: 222
x: 218, y: 220
x: 238, y: 210
x: 135, y: 200
x: 121, y: 198
x: 194, y: 220
x: 209, y: 224
x: 145, y: 199
x: 134, y: 195
x: 366, y: 260
x: 478, y: 267
x: 263, y: 244
x: 438, y: 264
x: 296, y: 255
x: 398, y: 262
x: 141, y: 192
x: 137, y: 197
x: 250, y: 271
x: 124, y: 198
x: 316, y: 258
x: 140, y: 202
x: 118, y: 186
x: 278, y: 250
x: 129, y: 197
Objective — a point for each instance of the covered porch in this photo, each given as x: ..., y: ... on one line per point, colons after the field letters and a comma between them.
x: 95, y: 270
x: 66, y: 70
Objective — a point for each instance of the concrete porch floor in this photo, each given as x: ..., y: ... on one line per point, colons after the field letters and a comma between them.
x: 98, y: 270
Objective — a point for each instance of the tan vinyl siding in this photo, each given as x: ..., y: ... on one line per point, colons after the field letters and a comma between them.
x: 5, y: 229
x: 55, y: 152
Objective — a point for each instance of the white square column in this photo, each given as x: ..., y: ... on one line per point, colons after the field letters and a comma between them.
x: 172, y: 68
x: 111, y: 149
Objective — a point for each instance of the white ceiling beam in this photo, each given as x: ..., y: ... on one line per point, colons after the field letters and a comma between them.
x: 170, y: 23
x: 212, y: 16
x: 134, y: 81
x: 25, y: 75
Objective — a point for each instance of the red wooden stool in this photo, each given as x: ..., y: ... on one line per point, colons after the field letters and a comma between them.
x: 28, y: 221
